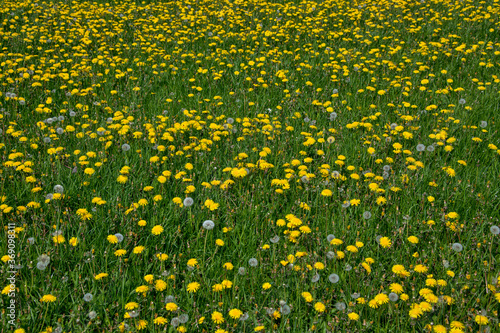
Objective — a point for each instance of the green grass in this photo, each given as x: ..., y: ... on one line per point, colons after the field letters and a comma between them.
x: 218, y: 101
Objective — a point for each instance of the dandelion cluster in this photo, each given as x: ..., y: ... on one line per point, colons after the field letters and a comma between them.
x: 251, y: 166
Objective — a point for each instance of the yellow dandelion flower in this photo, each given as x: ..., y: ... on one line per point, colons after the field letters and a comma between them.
x: 157, y: 229
x: 385, y: 242
x: 171, y: 307
x: 235, y: 313
x: 481, y: 320
x: 193, y: 287
x: 217, y: 317
x: 48, y: 298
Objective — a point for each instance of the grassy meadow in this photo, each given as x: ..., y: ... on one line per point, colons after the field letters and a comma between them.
x: 250, y: 166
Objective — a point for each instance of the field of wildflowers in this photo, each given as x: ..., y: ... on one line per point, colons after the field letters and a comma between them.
x: 250, y: 166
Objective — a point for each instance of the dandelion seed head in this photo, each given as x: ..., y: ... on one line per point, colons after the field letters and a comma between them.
x: 483, y: 124
x: 125, y: 147
x: 45, y: 259
x: 347, y: 267
x: 208, y: 224
x: 183, y: 318
x: 58, y: 189
x: 330, y: 237
x: 355, y: 295
x: 304, y: 179
x: 92, y: 315
x: 393, y: 297
x: 241, y: 271
x: 285, y: 309
x: 275, y: 239
x: 133, y: 314
x: 244, y: 317
x: 59, y: 130
x: 47, y: 140
x: 333, y: 278
x: 175, y: 322
x: 420, y: 147
x: 88, y: 297
x: 315, y: 278
x: 367, y: 215
x: 457, y: 247
x: 495, y: 230
x: 340, y: 306
x: 41, y: 266
x: 430, y: 148
x: 119, y: 237
x: 188, y: 202
x: 330, y: 255
x: 230, y: 121
x: 253, y: 262
x: 333, y: 116
x: 31, y: 240
x: 461, y: 101
x: 170, y: 299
